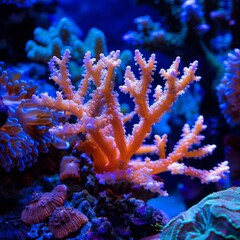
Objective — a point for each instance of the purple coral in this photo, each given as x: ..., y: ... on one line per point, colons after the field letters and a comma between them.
x: 24, y: 124
x: 65, y: 220
x: 3, y: 113
x: 228, y: 89
x: 43, y: 204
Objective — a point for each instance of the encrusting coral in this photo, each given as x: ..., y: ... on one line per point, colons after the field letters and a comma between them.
x: 102, y: 123
x: 217, y: 216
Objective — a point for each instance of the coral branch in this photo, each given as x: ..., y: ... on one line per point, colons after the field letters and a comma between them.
x: 100, y: 119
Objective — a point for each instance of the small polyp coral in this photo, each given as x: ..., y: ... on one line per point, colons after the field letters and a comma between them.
x: 69, y: 167
x: 65, y: 220
x: 43, y: 204
x: 65, y: 35
x: 100, y: 120
x: 217, y: 216
x: 228, y: 89
x: 56, y: 39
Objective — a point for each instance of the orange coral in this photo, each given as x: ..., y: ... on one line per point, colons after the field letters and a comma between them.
x: 102, y: 122
x: 43, y: 204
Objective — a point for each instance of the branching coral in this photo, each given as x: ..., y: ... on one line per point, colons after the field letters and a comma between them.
x: 66, y: 35
x: 205, y: 28
x: 102, y: 123
x: 181, y: 19
x: 55, y: 40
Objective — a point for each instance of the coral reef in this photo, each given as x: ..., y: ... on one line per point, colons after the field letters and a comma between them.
x: 119, y: 218
x: 215, y: 217
x: 90, y: 153
x: 181, y: 21
x: 102, y: 123
x: 116, y: 214
x: 11, y: 226
x: 66, y: 36
x: 207, y: 29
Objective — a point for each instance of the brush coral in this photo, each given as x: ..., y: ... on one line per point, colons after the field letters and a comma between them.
x: 103, y: 125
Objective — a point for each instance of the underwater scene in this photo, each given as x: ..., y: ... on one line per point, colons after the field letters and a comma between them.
x: 119, y: 120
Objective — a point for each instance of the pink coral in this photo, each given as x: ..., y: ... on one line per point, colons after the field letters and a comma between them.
x: 65, y: 220
x: 69, y: 167
x: 43, y: 204
x: 101, y: 121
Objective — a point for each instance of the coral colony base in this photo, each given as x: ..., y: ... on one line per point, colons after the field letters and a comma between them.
x: 102, y: 123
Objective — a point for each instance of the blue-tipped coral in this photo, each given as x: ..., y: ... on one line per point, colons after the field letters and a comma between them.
x: 66, y: 35
x: 217, y: 216
x: 24, y: 130
x: 55, y: 40
x: 228, y: 89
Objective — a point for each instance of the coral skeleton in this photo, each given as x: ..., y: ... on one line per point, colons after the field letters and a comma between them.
x: 101, y: 122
